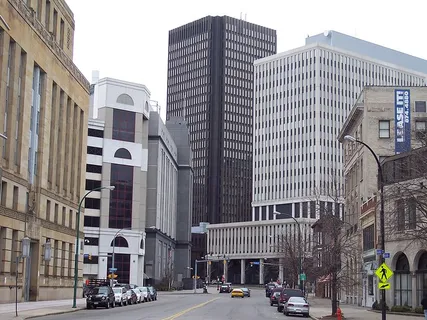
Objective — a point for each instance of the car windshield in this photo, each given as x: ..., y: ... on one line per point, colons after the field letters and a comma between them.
x: 276, y: 294
x: 100, y: 290
x: 237, y: 290
x: 142, y: 289
x: 244, y: 289
x: 224, y: 286
x: 297, y: 299
x: 293, y: 293
x: 117, y: 290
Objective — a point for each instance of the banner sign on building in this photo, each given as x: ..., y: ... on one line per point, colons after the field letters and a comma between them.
x: 402, y: 116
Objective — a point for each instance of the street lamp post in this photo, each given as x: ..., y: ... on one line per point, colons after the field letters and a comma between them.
x: 76, y: 256
x: 382, y: 218
x: 26, y: 242
x: 301, y: 282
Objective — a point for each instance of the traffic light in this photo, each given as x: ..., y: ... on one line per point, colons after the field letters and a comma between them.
x: 90, y: 257
x: 252, y: 264
x: 114, y: 276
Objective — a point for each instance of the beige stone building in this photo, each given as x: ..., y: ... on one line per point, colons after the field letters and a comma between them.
x: 44, y: 99
x: 372, y: 120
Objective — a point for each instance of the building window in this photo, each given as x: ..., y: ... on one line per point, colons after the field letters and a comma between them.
x: 90, y: 241
x: 91, y: 203
x: 123, y: 154
x: 368, y: 238
x: 402, y: 282
x: 93, y: 168
x: 123, y: 125
x: 121, y: 198
x: 91, y: 221
x: 412, y: 213
x: 384, y: 128
x: 94, y: 150
x: 119, y: 242
x: 90, y: 259
x: 95, y: 133
x: 125, y: 99
x: 400, y: 214
x: 420, y: 106
x: 122, y: 263
x: 92, y: 184
x: 422, y: 278
x: 370, y: 285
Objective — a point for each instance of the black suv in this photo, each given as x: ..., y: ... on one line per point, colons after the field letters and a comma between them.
x: 101, y: 297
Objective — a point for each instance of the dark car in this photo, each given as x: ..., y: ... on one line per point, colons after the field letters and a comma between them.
x: 246, y: 292
x: 131, y: 296
x: 153, y: 293
x: 225, y: 288
x: 285, y: 295
x: 275, y: 296
x: 101, y: 297
x: 268, y: 287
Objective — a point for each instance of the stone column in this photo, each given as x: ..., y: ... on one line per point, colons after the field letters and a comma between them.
x: 414, y: 290
x: 261, y: 271
x: 225, y: 264
x: 208, y: 271
x: 242, y: 271
x: 281, y: 270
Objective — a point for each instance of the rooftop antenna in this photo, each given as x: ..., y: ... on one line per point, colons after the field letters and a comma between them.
x: 240, y: 15
x: 245, y: 17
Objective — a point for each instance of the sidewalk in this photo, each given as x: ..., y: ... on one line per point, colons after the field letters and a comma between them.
x: 27, y: 310
x: 322, y: 307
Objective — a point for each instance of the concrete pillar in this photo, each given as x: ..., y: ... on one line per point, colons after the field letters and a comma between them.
x: 225, y: 263
x: 281, y: 277
x: 261, y: 271
x: 242, y: 271
x: 414, y: 290
x: 208, y: 271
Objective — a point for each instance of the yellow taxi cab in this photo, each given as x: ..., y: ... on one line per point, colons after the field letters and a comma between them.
x: 237, y: 293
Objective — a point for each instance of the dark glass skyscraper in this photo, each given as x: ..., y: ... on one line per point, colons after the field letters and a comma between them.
x: 210, y: 82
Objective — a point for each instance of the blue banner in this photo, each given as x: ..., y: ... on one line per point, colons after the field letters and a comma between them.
x: 402, y: 122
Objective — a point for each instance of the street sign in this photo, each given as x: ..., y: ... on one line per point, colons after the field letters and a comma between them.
x: 255, y: 262
x: 384, y: 273
x: 113, y: 269
x: 386, y: 255
x: 303, y: 277
x: 384, y: 286
x: 379, y: 252
x: 86, y: 255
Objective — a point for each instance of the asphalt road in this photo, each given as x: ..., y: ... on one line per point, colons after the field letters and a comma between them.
x: 185, y: 306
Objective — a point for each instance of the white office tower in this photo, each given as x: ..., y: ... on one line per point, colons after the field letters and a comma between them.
x: 302, y: 98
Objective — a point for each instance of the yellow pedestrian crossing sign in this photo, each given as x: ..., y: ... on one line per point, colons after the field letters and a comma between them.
x: 384, y: 273
x: 383, y: 285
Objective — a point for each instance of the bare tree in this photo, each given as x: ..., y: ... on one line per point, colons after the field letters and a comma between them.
x: 336, y: 251
x: 405, y: 193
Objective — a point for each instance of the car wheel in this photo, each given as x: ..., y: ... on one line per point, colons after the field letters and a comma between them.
x: 243, y: 297
x: 279, y: 309
x: 232, y: 296
x: 88, y: 306
x: 108, y: 305
x: 271, y: 304
x: 286, y: 313
x: 113, y: 305
x: 306, y: 315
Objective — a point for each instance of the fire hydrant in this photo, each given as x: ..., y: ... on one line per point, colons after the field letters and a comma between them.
x: 339, y: 314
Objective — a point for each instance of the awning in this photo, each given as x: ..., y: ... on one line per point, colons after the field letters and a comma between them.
x: 145, y: 276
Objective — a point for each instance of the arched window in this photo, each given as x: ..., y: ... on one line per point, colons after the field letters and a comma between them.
x: 125, y: 99
x: 123, y: 154
x: 120, y: 242
x: 141, y: 245
x: 422, y: 278
x: 402, y: 282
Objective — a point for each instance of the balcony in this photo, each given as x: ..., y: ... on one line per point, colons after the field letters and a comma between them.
x: 29, y: 15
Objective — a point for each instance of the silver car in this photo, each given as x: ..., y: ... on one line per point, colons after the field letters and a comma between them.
x: 296, y: 305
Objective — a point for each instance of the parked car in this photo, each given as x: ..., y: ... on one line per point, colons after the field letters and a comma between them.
x: 268, y: 287
x: 101, y: 297
x: 153, y: 293
x: 131, y: 297
x: 138, y: 295
x: 144, y: 293
x: 275, y: 296
x: 285, y: 295
x: 246, y: 292
x: 120, y: 296
x: 296, y: 305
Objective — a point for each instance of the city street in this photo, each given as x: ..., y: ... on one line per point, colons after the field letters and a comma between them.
x: 188, y: 306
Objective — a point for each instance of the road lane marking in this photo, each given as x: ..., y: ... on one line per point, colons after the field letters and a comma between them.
x: 181, y: 313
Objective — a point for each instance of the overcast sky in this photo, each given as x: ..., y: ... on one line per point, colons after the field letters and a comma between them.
x: 128, y: 39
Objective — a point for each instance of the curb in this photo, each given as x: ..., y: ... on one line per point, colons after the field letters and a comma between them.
x: 313, y: 317
x: 55, y: 313
x: 407, y: 314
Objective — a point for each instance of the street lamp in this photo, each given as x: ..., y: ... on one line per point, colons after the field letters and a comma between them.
x: 382, y: 222
x: 301, y: 282
x: 76, y: 256
x: 26, y: 242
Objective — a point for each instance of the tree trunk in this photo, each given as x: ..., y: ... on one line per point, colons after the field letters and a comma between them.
x: 334, y: 293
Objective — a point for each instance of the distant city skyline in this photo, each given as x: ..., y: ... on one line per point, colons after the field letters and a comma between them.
x: 141, y: 56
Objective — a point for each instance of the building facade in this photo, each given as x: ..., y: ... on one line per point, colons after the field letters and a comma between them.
x: 405, y: 218
x: 45, y: 101
x: 302, y: 98
x: 210, y: 83
x: 169, y: 201
x: 117, y: 155
x: 374, y: 121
